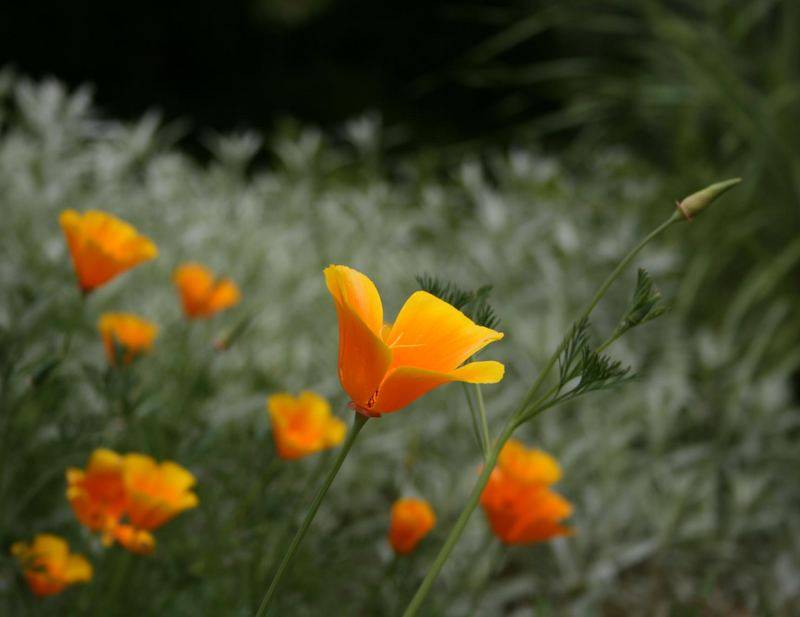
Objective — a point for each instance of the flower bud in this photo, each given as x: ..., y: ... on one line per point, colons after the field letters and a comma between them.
x: 697, y: 202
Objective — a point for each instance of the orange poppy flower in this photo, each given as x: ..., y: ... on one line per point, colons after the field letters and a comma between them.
x: 386, y: 367
x: 132, y: 334
x: 303, y: 425
x: 48, y: 565
x: 97, y: 494
x: 517, y: 500
x: 412, y: 519
x: 156, y: 493
x: 201, y: 294
x: 102, y: 246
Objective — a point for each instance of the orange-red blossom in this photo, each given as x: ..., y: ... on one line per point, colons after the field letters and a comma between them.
x: 303, y: 425
x: 102, y: 246
x: 202, y: 294
x: 384, y: 367
x: 126, y: 497
x: 412, y: 519
x: 128, y: 333
x: 517, y: 500
x: 48, y: 565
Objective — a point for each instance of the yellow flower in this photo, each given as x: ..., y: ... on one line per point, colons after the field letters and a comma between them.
x: 386, y: 367
x: 102, y: 246
x: 48, y: 565
x: 97, y: 494
x: 201, y: 294
x: 303, y: 425
x: 156, y: 493
x: 517, y: 500
x: 133, y: 335
x: 412, y: 520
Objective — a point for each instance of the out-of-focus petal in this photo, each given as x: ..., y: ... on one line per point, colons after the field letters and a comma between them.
x: 156, y: 493
x: 528, y: 465
x: 138, y: 541
x: 78, y: 569
x: 225, y: 294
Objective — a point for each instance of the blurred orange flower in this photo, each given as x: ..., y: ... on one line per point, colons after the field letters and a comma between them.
x: 133, y: 335
x: 412, y: 519
x: 201, y: 294
x: 125, y: 497
x: 303, y: 425
x: 97, y: 494
x: 156, y: 492
x: 386, y: 367
x: 48, y: 566
x: 517, y: 500
x: 102, y: 246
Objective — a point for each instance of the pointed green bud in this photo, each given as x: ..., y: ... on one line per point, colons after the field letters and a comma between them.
x: 699, y: 201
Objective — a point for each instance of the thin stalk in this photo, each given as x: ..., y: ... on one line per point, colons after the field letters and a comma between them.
x: 487, y: 439
x: 358, y: 424
x: 480, y: 437
x: 461, y: 523
x: 524, y: 412
x: 593, y: 302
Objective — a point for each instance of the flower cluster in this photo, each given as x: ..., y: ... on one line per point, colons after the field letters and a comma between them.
x: 102, y: 247
x: 383, y: 367
x: 518, y: 501
x: 126, y: 497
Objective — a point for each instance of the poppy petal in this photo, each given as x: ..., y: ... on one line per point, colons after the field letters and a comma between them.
x: 404, y: 385
x: 350, y: 287
x: 431, y: 334
x: 363, y: 357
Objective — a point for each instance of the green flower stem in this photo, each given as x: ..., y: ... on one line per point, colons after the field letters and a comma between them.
x: 480, y: 437
x: 358, y: 424
x: 487, y: 439
x: 461, y: 523
x: 676, y: 217
x: 527, y: 410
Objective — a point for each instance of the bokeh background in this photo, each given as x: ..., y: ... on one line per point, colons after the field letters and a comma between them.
x: 526, y: 145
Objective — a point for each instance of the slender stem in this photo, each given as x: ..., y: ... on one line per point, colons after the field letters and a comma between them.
x: 593, y: 302
x: 526, y: 410
x: 358, y: 424
x: 482, y: 438
x: 461, y: 523
x: 487, y: 439
x: 546, y: 401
